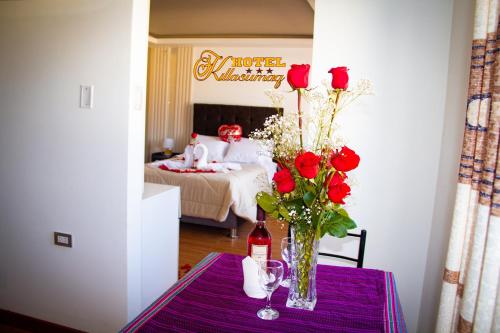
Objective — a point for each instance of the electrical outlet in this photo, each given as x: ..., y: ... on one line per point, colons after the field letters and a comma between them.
x: 63, y: 239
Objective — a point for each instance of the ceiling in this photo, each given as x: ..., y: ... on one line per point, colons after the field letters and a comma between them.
x: 231, y: 18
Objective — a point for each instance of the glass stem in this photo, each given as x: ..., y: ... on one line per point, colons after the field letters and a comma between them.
x: 268, y: 303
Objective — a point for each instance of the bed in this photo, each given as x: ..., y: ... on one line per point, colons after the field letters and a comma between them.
x: 218, y: 199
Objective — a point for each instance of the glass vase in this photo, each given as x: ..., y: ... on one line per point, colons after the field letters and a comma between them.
x: 304, y: 259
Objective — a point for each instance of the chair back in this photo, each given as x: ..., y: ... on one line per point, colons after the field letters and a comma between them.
x: 361, y: 250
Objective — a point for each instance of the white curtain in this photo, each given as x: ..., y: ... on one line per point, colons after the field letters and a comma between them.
x: 470, y: 297
x: 169, y: 111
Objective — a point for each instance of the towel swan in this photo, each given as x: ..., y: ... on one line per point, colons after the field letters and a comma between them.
x: 203, y: 160
x: 188, y: 157
x: 202, y: 163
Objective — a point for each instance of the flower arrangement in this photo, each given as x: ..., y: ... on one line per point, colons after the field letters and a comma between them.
x: 310, y: 185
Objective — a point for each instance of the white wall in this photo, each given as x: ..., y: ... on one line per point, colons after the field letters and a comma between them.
x: 403, y: 47
x: 451, y: 146
x: 249, y: 93
x: 136, y: 134
x: 69, y: 169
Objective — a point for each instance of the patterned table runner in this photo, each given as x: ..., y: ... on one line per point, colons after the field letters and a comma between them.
x: 210, y: 298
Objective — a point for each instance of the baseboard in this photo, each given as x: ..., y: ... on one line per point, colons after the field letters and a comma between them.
x: 31, y: 324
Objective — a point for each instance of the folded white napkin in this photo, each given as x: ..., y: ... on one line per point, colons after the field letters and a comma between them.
x: 251, y: 284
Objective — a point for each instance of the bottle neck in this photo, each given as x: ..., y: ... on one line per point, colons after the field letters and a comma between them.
x: 260, y: 224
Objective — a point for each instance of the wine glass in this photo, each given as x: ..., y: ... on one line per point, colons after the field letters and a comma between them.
x: 286, y: 251
x: 270, y: 276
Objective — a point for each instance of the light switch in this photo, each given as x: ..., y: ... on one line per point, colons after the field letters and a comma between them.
x: 86, y: 97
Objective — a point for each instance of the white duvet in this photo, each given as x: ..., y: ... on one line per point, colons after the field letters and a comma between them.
x: 211, y: 195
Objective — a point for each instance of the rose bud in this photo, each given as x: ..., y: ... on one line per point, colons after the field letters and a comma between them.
x: 284, y: 181
x: 340, y: 78
x: 337, y: 193
x: 298, y: 76
x: 307, y: 164
x: 345, y: 160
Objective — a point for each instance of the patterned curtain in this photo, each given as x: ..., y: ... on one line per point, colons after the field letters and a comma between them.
x: 470, y: 297
x: 169, y: 111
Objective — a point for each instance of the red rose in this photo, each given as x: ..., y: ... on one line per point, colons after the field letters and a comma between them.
x: 345, y: 160
x: 335, y: 179
x: 337, y: 193
x: 284, y: 181
x: 307, y: 164
x: 340, y: 78
x: 194, y: 135
x: 298, y: 76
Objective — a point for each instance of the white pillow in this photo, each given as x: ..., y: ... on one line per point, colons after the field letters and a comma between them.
x: 216, y: 148
x: 244, y: 151
x: 267, y: 163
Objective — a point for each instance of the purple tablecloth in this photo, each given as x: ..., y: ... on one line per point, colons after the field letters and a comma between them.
x: 211, y: 299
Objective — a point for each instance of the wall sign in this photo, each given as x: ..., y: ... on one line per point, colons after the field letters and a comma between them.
x: 237, y: 69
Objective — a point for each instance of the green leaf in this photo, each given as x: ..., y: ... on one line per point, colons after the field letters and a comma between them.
x: 309, y: 198
x: 284, y: 212
x: 336, y: 224
x: 328, y: 222
x: 338, y: 230
x: 294, y: 204
x: 316, y: 218
x: 343, y: 212
x: 347, y: 222
x: 267, y: 202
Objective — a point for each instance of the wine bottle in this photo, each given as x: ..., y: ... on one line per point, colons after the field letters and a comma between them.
x: 259, y: 240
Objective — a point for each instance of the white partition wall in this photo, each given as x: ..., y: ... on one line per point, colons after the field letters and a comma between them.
x: 160, y: 240
x: 403, y: 46
x: 71, y: 169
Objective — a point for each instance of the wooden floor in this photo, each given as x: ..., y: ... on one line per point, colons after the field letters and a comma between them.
x: 197, y: 241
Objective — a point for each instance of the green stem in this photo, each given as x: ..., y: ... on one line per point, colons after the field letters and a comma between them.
x: 318, y: 148
x: 307, y: 240
x: 338, y: 93
x: 334, y: 112
x: 299, y: 94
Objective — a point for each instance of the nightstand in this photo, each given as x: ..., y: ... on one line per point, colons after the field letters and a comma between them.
x: 161, y: 156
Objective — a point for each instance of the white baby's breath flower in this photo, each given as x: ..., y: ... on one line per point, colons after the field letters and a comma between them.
x: 276, y: 98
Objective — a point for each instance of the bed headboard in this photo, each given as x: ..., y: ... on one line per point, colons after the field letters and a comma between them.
x: 208, y: 117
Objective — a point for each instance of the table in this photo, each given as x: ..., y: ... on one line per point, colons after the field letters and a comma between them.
x: 210, y: 298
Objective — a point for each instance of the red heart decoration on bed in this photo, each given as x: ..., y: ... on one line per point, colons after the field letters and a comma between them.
x: 230, y: 133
